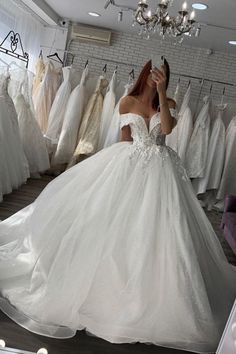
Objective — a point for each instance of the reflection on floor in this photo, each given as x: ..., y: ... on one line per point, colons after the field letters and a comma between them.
x: 17, y: 337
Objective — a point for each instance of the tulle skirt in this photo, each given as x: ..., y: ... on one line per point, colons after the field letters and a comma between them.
x: 118, y: 245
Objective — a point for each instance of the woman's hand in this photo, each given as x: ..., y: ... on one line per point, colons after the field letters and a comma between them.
x: 159, y: 77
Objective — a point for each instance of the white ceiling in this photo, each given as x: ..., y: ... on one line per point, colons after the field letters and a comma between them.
x: 220, y: 13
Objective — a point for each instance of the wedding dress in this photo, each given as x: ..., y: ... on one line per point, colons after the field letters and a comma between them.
x: 196, y: 156
x: 69, y: 133
x: 31, y: 136
x: 215, y: 157
x: 58, y: 109
x: 45, y: 95
x: 39, y: 74
x: 14, y: 166
x: 90, y: 125
x: 172, y: 138
x: 119, y: 245
x: 113, y: 134
x: 228, y: 179
x: 184, y: 126
x: 107, y: 111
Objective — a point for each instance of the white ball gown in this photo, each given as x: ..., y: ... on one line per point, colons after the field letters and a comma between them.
x: 14, y: 168
x: 196, y: 154
x: 215, y: 156
x: 119, y: 245
x: 70, y: 128
x: 107, y: 111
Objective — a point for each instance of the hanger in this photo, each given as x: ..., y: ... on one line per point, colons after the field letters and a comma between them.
x: 223, y: 95
x: 105, y: 68
x: 41, y: 54
x: 179, y: 80
x: 56, y: 59
x: 211, y: 88
x: 116, y: 69
x: 189, y: 83
x: 86, y: 64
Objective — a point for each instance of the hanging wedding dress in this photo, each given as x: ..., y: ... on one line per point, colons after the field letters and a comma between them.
x: 39, y: 74
x: 113, y: 134
x: 45, y: 95
x: 215, y: 156
x: 107, y: 111
x: 93, y: 251
x: 58, y: 109
x: 228, y: 179
x: 184, y: 126
x: 90, y: 125
x: 172, y: 139
x: 69, y: 133
x: 30, y: 133
x: 196, y: 156
x: 14, y: 166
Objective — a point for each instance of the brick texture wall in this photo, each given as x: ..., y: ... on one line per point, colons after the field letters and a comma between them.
x: 135, y: 51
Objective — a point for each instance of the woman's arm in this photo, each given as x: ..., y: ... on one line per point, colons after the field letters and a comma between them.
x: 167, y: 121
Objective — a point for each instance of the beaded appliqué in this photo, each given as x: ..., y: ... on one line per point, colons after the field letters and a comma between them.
x: 147, y: 143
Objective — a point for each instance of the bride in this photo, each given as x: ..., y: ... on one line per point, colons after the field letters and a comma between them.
x: 119, y: 245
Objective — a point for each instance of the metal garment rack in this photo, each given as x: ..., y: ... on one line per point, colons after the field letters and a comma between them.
x: 14, y: 39
x: 131, y: 65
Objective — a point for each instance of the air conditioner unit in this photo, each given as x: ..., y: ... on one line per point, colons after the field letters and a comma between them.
x: 91, y: 34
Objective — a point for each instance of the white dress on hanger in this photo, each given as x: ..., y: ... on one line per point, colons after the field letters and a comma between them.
x: 197, y: 152
x: 184, y: 126
x: 228, y: 179
x: 90, y: 125
x: 120, y: 246
x: 107, y: 111
x: 57, y: 112
x: 31, y: 136
x: 113, y: 134
x: 172, y: 139
x: 14, y: 166
x: 45, y: 94
x: 215, y: 157
x: 73, y: 115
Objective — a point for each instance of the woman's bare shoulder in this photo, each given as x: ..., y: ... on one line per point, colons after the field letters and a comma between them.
x: 126, y: 104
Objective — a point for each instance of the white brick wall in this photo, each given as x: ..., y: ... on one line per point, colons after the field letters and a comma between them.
x: 132, y: 49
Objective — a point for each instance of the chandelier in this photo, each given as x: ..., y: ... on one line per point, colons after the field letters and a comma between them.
x: 164, y: 24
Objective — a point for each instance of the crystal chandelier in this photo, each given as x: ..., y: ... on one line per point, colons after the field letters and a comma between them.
x: 164, y: 24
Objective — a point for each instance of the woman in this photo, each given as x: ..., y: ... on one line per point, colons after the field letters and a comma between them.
x: 119, y: 244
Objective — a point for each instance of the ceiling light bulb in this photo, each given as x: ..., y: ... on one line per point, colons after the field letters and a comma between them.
x: 94, y: 14
x: 192, y: 15
x: 184, y: 6
x: 149, y: 14
x: 199, y: 6
x: 232, y: 42
x: 42, y: 351
x: 2, y: 343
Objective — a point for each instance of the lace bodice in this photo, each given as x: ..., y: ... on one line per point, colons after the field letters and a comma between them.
x: 141, y: 134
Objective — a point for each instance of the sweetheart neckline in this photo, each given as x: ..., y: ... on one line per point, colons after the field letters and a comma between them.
x: 143, y: 119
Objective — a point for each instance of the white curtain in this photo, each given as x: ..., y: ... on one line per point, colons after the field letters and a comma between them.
x: 14, y: 17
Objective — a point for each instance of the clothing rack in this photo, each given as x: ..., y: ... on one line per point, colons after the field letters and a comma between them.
x: 204, y: 79
x: 14, y: 40
x: 131, y: 65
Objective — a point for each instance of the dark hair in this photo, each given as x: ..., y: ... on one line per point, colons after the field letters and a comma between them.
x: 139, y: 86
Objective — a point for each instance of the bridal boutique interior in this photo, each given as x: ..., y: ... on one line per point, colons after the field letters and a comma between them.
x: 64, y: 66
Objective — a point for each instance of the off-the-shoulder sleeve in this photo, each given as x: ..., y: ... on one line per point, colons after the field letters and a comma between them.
x: 125, y: 120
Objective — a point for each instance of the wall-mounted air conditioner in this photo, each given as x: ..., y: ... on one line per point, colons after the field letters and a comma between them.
x: 91, y: 34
